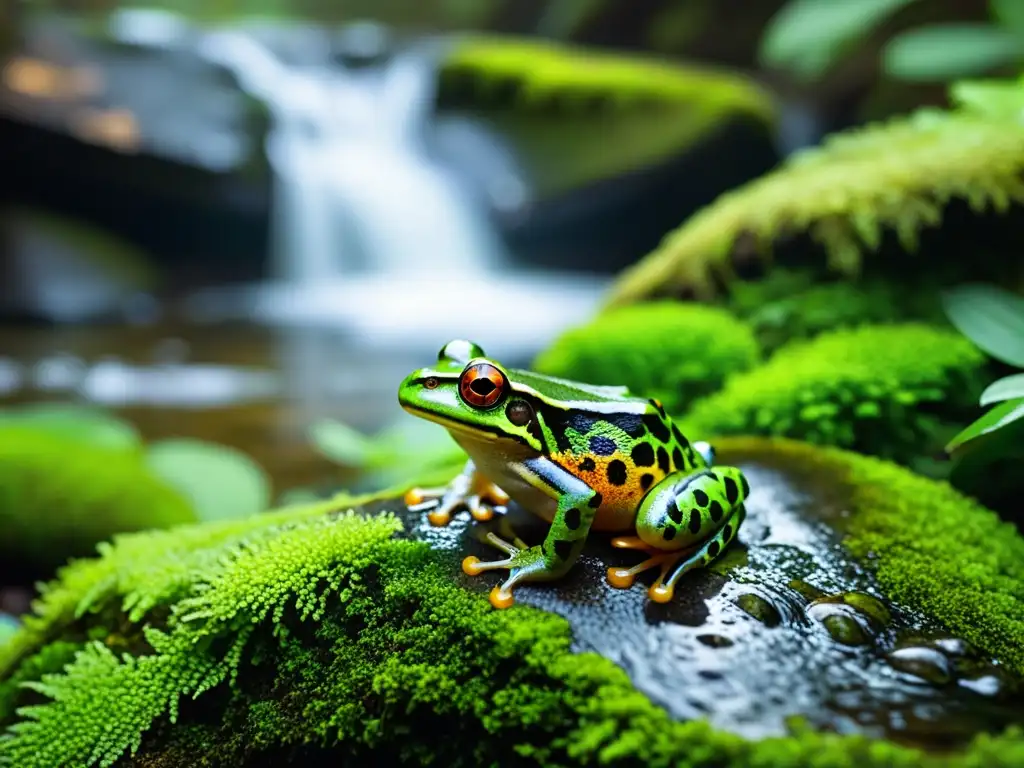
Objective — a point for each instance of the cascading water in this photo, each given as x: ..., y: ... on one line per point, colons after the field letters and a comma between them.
x: 355, y: 190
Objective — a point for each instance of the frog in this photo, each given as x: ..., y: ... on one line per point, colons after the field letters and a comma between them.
x: 582, y: 457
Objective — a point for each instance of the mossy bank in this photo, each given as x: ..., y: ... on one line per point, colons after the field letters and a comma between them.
x: 318, y: 635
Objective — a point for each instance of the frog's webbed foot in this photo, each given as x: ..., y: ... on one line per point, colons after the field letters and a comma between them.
x: 523, y: 563
x: 469, y: 489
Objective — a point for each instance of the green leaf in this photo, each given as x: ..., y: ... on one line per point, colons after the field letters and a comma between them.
x: 1007, y: 388
x: 1002, y: 98
x: 221, y: 482
x: 997, y: 418
x: 340, y: 443
x: 1009, y: 14
x: 76, y: 422
x: 807, y: 36
x: 990, y: 317
x: 947, y: 51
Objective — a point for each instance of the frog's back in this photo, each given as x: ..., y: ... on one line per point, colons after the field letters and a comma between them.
x: 617, y: 443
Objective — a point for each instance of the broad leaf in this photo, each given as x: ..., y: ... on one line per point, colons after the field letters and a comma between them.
x: 999, y: 417
x: 1006, y: 388
x: 76, y: 422
x: 990, y: 317
x: 340, y: 443
x: 947, y: 51
x: 1009, y: 14
x: 221, y: 482
x: 1002, y: 97
x: 807, y: 36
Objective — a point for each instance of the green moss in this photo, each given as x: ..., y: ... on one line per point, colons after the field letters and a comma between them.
x: 545, y: 68
x: 894, y: 177
x: 311, y: 635
x: 930, y: 546
x: 585, y: 114
x: 788, y: 305
x: 669, y: 350
x: 888, y: 390
x: 60, y: 496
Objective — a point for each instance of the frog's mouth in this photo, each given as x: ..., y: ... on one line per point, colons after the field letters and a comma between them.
x: 476, y: 431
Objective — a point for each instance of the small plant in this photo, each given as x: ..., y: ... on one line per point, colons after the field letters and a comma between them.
x: 808, y: 37
x: 993, y: 319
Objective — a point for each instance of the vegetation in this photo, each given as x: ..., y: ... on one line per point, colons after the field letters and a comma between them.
x: 887, y: 390
x: 688, y: 351
x: 318, y: 633
x: 894, y: 178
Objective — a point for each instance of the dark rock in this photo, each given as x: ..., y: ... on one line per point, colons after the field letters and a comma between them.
x: 927, y: 664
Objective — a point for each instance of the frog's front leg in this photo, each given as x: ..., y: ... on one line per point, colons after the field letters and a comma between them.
x: 577, y: 504
x: 684, y: 522
x: 469, y: 489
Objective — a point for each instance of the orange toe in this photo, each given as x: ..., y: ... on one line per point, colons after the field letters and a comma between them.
x: 659, y: 593
x: 471, y: 566
x: 439, y: 518
x: 620, y: 578
x: 500, y: 598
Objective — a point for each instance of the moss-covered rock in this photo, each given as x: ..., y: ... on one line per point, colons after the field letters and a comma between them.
x: 582, y: 114
x: 859, y: 187
x: 313, y: 636
x: 60, y: 495
x: 789, y: 305
x: 890, y: 390
x: 669, y: 350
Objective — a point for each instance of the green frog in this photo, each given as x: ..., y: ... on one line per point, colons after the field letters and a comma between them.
x: 583, y: 458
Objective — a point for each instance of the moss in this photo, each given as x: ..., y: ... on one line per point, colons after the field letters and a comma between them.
x: 675, y: 352
x: 551, y: 97
x: 788, y: 305
x: 894, y: 177
x: 888, y: 390
x: 545, y: 68
x: 313, y: 636
x: 930, y: 546
x: 59, y: 497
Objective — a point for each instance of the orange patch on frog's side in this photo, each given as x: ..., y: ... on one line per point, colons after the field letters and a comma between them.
x: 618, y: 502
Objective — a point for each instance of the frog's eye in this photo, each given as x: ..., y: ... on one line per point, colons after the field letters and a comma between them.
x: 482, y: 385
x: 459, y: 351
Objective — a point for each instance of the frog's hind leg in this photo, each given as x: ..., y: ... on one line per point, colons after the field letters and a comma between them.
x: 693, y: 518
x: 468, y: 489
x: 663, y: 589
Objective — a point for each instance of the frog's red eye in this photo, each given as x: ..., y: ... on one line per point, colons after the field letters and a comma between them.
x: 482, y: 385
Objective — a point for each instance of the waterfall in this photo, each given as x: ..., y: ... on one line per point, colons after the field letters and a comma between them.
x: 354, y: 189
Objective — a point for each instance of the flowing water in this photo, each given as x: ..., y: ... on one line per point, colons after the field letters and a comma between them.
x: 355, y: 189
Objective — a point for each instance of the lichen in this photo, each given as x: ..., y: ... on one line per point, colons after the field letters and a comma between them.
x: 59, y: 497
x: 896, y: 177
x: 313, y: 635
x: 887, y: 390
x: 687, y: 351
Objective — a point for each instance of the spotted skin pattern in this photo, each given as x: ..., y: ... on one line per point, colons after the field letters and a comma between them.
x: 581, y: 457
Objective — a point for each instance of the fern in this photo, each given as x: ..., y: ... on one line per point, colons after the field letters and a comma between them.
x: 896, y: 176
x: 233, y: 584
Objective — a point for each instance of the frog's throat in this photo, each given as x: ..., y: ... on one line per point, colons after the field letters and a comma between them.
x: 451, y: 425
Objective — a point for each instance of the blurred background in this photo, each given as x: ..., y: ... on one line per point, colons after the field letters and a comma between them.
x: 232, y: 220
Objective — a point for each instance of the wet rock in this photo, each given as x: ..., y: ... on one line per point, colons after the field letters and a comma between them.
x: 927, y: 664
x: 784, y: 626
x: 869, y: 606
x: 760, y: 609
x: 986, y: 685
x: 952, y: 646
